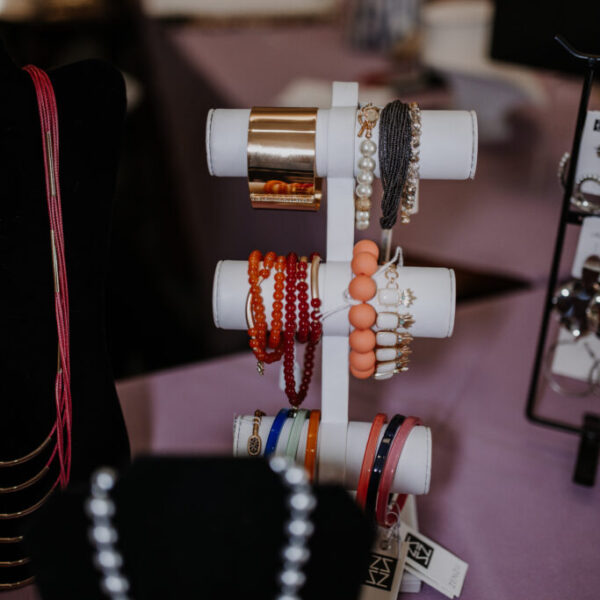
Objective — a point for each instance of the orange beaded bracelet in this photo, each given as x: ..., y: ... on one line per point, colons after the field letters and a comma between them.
x: 255, y: 310
x: 277, y: 313
x: 363, y: 316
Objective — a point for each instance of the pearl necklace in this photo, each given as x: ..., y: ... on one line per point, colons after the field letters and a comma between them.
x: 108, y: 560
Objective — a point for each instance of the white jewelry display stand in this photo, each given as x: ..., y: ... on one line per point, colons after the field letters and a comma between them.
x: 448, y: 151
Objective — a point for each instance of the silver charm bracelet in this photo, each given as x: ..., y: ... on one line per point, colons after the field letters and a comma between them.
x: 298, y: 529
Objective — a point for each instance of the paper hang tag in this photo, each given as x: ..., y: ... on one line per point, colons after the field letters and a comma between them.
x: 386, y: 565
x: 433, y: 564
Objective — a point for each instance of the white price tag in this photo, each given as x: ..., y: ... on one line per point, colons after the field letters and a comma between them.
x: 386, y: 565
x: 433, y: 564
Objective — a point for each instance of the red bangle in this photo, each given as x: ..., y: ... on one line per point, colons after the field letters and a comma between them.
x: 368, y: 458
x: 389, y: 472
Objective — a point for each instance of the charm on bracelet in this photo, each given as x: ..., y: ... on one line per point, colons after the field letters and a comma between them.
x: 254, y: 445
x: 577, y: 307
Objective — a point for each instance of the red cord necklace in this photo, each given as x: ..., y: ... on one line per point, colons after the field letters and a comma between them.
x: 62, y: 387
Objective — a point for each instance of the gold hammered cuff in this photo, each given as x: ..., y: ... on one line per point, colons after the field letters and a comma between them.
x: 282, y: 159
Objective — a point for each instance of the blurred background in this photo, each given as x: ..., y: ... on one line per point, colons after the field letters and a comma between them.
x: 173, y: 222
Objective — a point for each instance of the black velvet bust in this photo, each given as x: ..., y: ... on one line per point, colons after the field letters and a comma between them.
x: 210, y: 528
x: 91, y: 107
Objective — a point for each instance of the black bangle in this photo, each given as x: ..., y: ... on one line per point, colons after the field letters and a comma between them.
x: 379, y: 462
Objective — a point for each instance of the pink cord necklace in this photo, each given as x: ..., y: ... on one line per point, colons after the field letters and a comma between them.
x: 62, y: 386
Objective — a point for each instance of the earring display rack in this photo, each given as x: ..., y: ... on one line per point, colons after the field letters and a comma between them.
x: 448, y: 151
x: 589, y: 431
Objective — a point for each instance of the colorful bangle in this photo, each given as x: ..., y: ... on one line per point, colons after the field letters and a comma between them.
x: 379, y: 462
x: 275, y: 431
x: 391, y: 465
x: 368, y: 458
x: 310, y: 454
x: 291, y: 448
x: 362, y: 316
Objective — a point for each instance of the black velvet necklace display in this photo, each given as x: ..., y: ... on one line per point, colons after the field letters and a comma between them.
x: 91, y: 105
x: 201, y: 528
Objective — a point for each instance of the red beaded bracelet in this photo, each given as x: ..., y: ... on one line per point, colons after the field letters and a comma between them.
x: 308, y: 330
x: 290, y: 328
x: 303, y: 307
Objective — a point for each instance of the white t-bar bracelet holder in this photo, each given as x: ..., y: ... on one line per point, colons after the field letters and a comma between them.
x: 448, y: 151
x: 413, y: 471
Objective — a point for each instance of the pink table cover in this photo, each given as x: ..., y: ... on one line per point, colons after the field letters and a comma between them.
x: 501, y: 494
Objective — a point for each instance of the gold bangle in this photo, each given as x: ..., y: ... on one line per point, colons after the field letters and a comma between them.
x: 11, y: 540
x: 21, y: 486
x: 16, y: 585
x: 314, y: 276
x: 18, y: 461
x: 282, y: 158
x: 27, y: 511
x: 15, y: 563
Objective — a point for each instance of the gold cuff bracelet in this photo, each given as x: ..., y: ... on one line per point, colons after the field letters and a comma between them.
x: 282, y: 158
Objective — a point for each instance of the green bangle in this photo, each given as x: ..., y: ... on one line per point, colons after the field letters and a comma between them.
x: 295, y: 432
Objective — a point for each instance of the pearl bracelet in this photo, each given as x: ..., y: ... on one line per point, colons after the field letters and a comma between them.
x: 298, y: 529
x: 367, y: 118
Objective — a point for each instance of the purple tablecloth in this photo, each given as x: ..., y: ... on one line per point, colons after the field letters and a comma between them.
x: 501, y: 494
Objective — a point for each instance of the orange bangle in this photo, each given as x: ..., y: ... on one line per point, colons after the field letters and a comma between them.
x: 368, y: 458
x: 310, y: 455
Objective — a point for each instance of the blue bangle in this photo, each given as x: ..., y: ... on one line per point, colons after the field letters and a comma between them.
x: 275, y: 431
x: 379, y: 462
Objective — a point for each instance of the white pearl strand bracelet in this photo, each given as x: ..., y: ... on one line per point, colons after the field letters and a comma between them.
x: 367, y: 118
x: 108, y: 560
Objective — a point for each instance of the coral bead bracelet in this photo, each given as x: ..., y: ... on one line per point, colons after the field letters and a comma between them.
x: 291, y: 298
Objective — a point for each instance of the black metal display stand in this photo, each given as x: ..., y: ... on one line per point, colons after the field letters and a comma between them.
x: 589, y: 431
